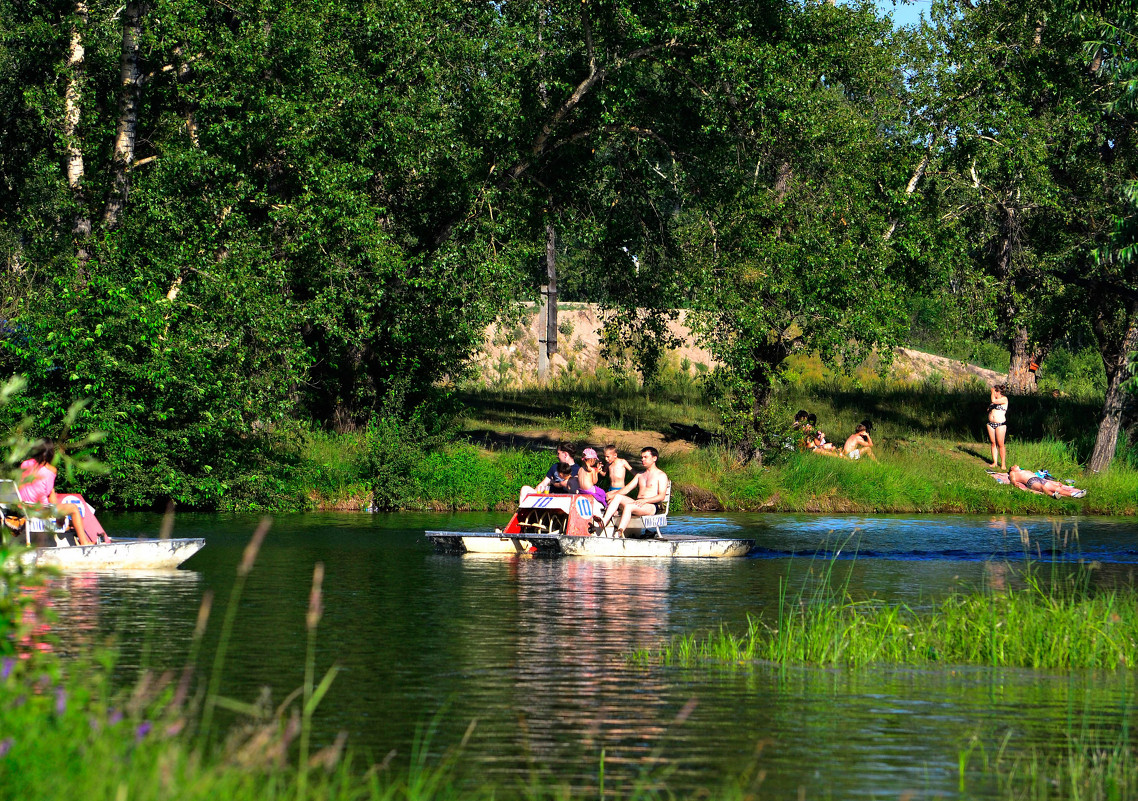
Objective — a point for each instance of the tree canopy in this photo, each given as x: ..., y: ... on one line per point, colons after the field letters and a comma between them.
x: 218, y: 219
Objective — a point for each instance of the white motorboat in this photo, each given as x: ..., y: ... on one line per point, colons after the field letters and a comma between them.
x: 124, y: 554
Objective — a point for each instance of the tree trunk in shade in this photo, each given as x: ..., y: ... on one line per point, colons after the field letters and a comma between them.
x: 129, y: 93
x: 1021, y: 378
x: 1116, y: 362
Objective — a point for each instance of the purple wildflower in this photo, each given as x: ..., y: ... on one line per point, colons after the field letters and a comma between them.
x: 114, y: 718
x: 94, y: 723
x: 5, y: 746
x: 142, y: 730
x: 60, y: 701
x: 7, y: 667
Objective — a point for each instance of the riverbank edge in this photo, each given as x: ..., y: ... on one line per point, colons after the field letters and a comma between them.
x: 932, y: 477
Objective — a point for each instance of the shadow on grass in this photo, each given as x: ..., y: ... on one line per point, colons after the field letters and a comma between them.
x: 962, y: 415
x: 497, y: 440
x: 975, y: 452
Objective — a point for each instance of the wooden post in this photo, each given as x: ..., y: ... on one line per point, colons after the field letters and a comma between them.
x: 547, y: 315
x: 542, y: 335
x: 551, y: 294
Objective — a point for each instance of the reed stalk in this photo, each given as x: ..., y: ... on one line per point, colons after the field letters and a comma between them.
x: 248, y: 559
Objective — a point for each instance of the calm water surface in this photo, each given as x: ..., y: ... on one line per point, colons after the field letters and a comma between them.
x: 530, y: 650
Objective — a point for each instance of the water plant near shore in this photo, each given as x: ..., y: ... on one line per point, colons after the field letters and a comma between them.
x: 1049, y: 623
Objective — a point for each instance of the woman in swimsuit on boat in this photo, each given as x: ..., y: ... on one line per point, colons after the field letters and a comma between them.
x: 998, y: 424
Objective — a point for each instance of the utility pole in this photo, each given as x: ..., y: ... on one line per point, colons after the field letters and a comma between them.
x: 547, y: 317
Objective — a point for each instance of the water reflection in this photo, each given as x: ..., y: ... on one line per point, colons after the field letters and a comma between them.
x: 144, y: 612
x: 532, y: 649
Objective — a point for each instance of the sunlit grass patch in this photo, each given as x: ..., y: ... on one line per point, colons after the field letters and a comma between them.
x: 1050, y: 623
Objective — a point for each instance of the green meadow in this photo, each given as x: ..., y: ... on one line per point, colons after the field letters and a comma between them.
x: 931, y: 448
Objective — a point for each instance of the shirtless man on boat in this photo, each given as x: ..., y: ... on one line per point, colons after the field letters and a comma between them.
x: 651, y: 489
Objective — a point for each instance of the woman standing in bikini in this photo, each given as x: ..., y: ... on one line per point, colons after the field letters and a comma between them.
x: 998, y: 424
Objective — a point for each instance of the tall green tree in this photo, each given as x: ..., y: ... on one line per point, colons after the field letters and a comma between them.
x: 792, y: 236
x: 1028, y: 174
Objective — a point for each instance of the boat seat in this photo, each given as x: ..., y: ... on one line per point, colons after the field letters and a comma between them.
x: 650, y: 525
x: 30, y: 518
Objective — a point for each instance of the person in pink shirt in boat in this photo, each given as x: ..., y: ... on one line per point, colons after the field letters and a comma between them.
x: 37, y: 485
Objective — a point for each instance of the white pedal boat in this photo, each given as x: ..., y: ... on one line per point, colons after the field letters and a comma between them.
x: 559, y: 525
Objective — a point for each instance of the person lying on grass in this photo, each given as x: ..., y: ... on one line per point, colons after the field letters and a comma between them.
x: 859, y: 444
x: 1027, y: 480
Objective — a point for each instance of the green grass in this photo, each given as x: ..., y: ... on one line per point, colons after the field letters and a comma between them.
x: 932, y: 447
x: 1053, y: 624
x: 1087, y: 768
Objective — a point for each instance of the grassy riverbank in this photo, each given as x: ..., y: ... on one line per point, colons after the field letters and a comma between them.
x: 931, y: 450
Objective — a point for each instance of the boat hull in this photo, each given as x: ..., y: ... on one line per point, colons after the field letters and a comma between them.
x: 671, y: 546
x: 125, y: 554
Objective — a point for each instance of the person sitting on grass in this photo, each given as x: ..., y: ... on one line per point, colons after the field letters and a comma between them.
x: 651, y: 489
x: 37, y: 485
x: 1027, y: 480
x: 859, y: 444
x: 816, y: 443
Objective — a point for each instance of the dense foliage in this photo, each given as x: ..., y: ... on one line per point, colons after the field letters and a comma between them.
x: 222, y: 223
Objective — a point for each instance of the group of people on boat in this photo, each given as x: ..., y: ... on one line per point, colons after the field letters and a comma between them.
x: 813, y: 439
x: 566, y: 476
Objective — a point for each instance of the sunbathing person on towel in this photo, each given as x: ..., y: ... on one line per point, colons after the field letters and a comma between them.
x: 1027, y: 480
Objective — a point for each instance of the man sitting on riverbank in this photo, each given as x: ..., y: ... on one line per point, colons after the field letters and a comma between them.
x: 859, y: 444
x: 1027, y: 480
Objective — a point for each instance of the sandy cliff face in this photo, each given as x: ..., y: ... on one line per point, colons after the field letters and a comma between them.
x: 509, y: 355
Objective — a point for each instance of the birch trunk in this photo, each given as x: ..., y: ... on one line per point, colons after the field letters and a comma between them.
x: 129, y: 94
x: 1117, y: 371
x: 73, y: 149
x: 911, y: 187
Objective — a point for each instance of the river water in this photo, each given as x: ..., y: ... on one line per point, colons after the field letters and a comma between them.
x: 525, y: 656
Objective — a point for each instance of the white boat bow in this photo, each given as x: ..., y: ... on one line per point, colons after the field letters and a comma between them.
x: 124, y: 554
